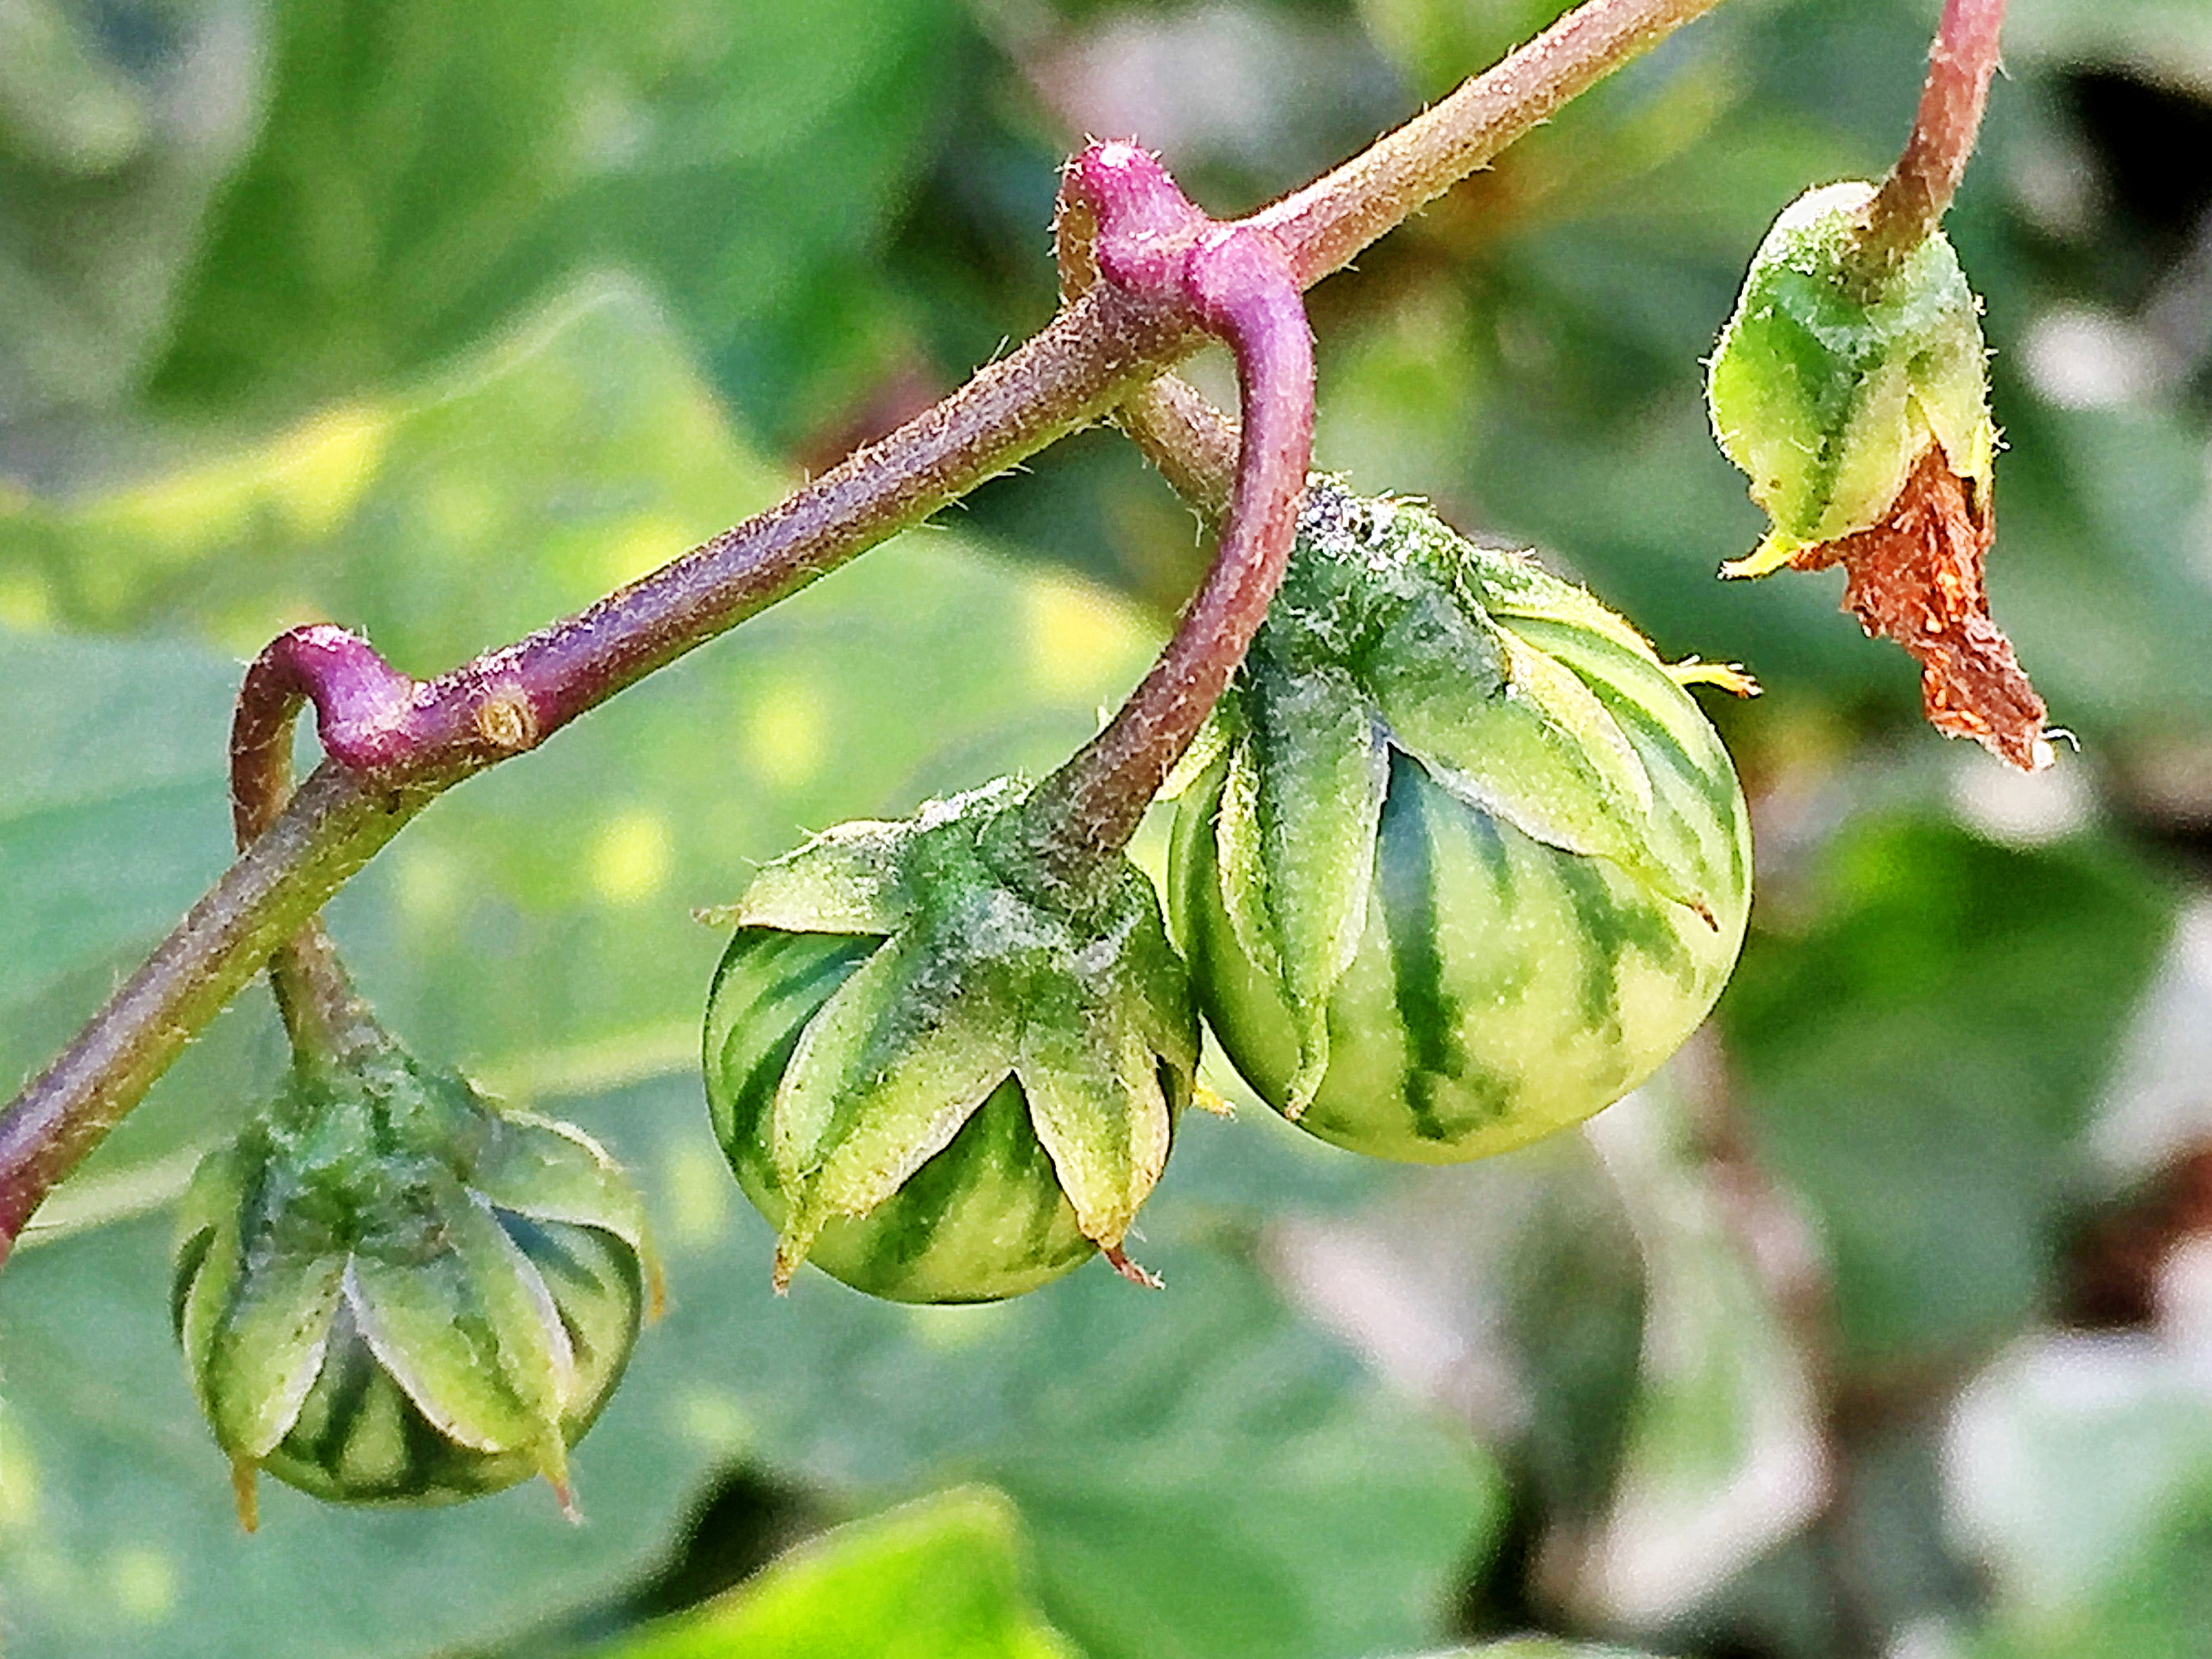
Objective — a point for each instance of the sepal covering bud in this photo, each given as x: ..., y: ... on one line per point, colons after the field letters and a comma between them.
x: 940, y: 1078
x: 389, y: 1290
x: 1461, y: 862
x: 1860, y: 408
x: 1829, y: 397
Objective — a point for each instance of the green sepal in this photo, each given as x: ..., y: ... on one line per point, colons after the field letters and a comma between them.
x: 553, y: 1171
x: 885, y: 1076
x: 210, y: 1256
x: 264, y: 1356
x: 382, y: 1214
x: 1540, y: 750
x: 1392, y: 632
x: 845, y: 880
x: 1828, y: 397
x: 985, y: 971
x: 1143, y: 977
x: 1509, y: 586
x: 1297, y: 830
x: 432, y: 1327
x: 1093, y: 1087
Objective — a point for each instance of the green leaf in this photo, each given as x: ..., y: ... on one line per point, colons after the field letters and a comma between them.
x: 118, y: 124
x: 2159, y: 39
x: 942, y: 1578
x: 1724, y: 1449
x: 113, y: 819
x: 1155, y: 1443
x: 1920, y: 1061
x: 422, y: 173
x: 457, y: 515
x: 2080, y: 1473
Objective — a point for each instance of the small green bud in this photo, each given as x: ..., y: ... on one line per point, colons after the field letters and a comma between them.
x: 1863, y: 419
x: 389, y: 1290
x: 1461, y: 862
x: 1829, y: 397
x: 940, y: 1079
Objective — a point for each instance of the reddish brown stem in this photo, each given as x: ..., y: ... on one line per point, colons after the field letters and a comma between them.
x: 1124, y: 225
x: 356, y: 695
x: 1912, y: 200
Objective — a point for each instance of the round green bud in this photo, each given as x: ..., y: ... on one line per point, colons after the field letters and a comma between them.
x: 981, y: 1219
x: 389, y: 1290
x: 1464, y: 863
x: 1828, y: 395
x: 939, y: 1083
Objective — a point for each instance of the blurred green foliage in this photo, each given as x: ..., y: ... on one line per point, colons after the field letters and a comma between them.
x: 939, y: 1580
x: 436, y: 322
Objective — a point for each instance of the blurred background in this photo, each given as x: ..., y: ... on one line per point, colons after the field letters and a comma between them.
x: 1880, y: 1325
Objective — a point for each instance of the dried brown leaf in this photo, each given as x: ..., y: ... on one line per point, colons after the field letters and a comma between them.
x: 1917, y: 578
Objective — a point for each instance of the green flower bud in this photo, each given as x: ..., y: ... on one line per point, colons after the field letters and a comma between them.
x: 1461, y: 862
x: 1863, y: 421
x: 389, y: 1290
x: 1829, y: 397
x: 939, y: 1080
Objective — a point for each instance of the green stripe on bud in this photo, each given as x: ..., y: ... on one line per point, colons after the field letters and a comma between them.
x: 1538, y: 868
x: 941, y: 1081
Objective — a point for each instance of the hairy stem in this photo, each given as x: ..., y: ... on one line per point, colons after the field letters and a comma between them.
x: 1193, y: 445
x: 1913, y: 199
x: 323, y: 1017
x: 1087, y: 360
x: 1324, y: 226
x: 1123, y: 224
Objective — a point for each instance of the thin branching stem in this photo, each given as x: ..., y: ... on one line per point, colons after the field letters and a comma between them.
x: 1123, y: 224
x: 1093, y: 354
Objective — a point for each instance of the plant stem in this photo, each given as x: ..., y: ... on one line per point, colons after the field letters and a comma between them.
x: 1095, y: 353
x: 323, y: 1017
x: 1193, y: 445
x: 1123, y: 224
x: 1325, y: 225
x: 328, y: 831
x: 1912, y: 200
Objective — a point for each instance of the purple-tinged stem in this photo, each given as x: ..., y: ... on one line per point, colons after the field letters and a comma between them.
x: 1912, y: 200
x: 358, y: 698
x: 1087, y: 360
x: 1124, y: 224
